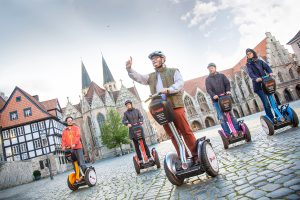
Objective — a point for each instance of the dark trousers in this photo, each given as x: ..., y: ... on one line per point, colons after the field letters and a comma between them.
x: 80, y: 158
x: 137, y: 149
x: 264, y: 99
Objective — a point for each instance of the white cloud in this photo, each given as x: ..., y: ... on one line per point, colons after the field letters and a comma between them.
x: 203, y: 14
x: 252, y: 18
x: 177, y: 1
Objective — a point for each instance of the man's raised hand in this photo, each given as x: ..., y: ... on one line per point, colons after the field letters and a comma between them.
x: 129, y: 63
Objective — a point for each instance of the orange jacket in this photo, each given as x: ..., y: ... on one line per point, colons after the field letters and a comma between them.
x: 71, y: 137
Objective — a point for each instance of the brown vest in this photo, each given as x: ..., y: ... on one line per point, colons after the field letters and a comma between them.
x: 167, y: 77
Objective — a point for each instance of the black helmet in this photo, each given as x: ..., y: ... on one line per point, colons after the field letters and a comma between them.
x: 156, y: 53
x: 128, y: 101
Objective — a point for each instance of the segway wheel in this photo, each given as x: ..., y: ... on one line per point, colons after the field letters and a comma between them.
x: 295, y: 118
x: 136, y: 166
x: 156, y: 159
x: 267, y: 125
x: 71, y: 185
x: 224, y: 139
x: 171, y: 176
x: 246, y: 132
x: 209, y: 159
x: 90, y: 177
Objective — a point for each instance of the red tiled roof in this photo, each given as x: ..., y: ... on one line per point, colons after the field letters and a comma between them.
x: 190, y: 86
x: 34, y: 100
x: 294, y: 38
x: 38, y: 110
x: 94, y: 87
x: 50, y: 104
x: 2, y: 102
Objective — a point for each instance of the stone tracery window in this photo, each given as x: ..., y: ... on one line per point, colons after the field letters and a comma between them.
x: 189, y: 106
x: 202, y: 102
x: 100, y: 119
x: 291, y: 73
x: 280, y: 77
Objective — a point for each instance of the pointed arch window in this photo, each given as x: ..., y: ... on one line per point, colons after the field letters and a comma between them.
x: 189, y: 106
x: 100, y: 119
x: 202, y: 102
x: 280, y: 77
x: 291, y: 73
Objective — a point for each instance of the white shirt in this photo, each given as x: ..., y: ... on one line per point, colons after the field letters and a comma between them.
x: 143, y: 79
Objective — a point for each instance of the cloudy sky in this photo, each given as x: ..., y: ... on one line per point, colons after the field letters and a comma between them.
x: 42, y: 42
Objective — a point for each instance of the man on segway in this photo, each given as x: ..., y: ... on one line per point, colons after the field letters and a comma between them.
x: 257, y: 68
x: 216, y: 84
x: 169, y: 83
x: 71, y: 140
x: 133, y: 117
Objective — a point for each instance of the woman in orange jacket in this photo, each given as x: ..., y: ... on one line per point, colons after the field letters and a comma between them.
x: 71, y: 140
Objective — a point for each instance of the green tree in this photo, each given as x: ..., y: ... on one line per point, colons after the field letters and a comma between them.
x: 113, y: 132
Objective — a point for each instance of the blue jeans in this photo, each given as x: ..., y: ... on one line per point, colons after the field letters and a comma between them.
x: 264, y: 99
x: 222, y: 119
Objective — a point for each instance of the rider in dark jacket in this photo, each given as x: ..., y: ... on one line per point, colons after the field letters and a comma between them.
x: 217, y: 84
x: 133, y: 117
x: 257, y: 68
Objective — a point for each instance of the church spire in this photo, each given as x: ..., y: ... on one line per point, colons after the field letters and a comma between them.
x: 86, y: 81
x: 108, y: 80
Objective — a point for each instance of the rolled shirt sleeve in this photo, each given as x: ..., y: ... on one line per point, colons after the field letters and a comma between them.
x: 178, y: 83
x: 142, y: 79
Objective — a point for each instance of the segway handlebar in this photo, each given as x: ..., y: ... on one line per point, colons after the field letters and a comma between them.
x: 266, y: 76
x: 153, y: 96
x: 223, y: 94
x: 138, y: 124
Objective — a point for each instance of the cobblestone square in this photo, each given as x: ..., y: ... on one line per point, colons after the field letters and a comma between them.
x: 266, y: 168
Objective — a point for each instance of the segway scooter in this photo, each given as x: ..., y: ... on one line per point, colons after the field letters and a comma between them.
x: 177, y: 169
x: 285, y: 115
x: 77, y: 179
x: 225, y: 103
x: 146, y: 163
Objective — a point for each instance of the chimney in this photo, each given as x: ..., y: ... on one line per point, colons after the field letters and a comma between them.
x: 36, y: 97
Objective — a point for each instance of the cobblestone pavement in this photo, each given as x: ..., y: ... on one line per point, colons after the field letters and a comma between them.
x: 266, y: 168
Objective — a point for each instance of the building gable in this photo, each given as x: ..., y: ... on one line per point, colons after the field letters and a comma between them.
x: 18, y: 102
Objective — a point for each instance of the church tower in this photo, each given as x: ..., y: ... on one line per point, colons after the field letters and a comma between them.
x: 85, y: 78
x: 108, y: 80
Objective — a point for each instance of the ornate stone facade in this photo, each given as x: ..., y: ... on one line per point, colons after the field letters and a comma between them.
x: 198, y: 105
x: 94, y: 105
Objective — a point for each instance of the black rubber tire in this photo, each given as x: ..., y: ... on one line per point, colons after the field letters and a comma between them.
x: 295, y: 119
x: 157, y: 162
x: 269, y: 124
x: 86, y: 177
x: 71, y: 187
x: 206, y: 164
x: 225, y: 141
x: 247, y: 134
x: 172, y: 177
x: 136, y: 166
